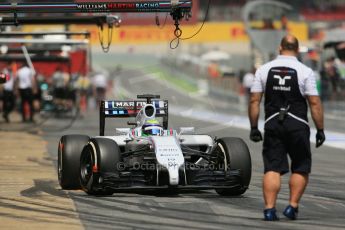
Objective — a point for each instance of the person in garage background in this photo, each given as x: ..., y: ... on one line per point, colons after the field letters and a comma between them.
x: 25, y: 82
x: 8, y: 97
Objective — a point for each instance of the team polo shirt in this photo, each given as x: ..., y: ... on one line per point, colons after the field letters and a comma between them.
x: 285, y: 82
x: 306, y: 77
x: 25, y: 77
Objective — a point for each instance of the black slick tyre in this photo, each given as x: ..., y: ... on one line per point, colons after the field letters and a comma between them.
x: 69, y: 151
x: 236, y: 156
x: 98, y: 158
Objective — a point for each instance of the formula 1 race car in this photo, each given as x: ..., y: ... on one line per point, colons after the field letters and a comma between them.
x: 149, y: 156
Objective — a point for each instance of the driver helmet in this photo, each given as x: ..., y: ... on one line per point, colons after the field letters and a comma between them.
x: 152, y: 127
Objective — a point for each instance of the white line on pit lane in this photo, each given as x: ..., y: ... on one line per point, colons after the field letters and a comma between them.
x: 322, y: 206
x: 333, y: 139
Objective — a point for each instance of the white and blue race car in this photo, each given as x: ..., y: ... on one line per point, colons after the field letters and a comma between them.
x: 150, y: 156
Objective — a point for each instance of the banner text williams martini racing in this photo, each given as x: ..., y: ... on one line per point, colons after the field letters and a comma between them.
x: 104, y: 7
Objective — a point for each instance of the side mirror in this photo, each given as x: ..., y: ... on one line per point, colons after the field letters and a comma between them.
x: 187, y: 130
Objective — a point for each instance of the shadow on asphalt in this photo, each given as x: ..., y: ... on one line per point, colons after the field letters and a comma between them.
x: 44, y: 186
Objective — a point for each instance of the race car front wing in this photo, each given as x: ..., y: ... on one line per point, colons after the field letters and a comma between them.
x: 198, y: 180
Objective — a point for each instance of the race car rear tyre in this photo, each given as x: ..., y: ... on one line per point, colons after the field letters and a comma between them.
x: 69, y: 151
x: 100, y: 156
x: 236, y: 156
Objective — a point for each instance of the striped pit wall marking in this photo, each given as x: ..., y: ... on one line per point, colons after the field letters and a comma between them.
x: 333, y: 139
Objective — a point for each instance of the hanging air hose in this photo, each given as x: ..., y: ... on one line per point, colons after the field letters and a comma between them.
x: 105, y: 47
x: 177, y: 16
x: 112, y: 21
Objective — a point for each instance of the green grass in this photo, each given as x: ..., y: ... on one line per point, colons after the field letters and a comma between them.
x: 145, y: 63
x: 122, y: 94
x: 164, y: 75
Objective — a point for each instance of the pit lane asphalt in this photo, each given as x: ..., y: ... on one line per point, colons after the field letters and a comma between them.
x: 322, y: 207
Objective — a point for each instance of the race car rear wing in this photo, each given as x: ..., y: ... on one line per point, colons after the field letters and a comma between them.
x: 125, y: 109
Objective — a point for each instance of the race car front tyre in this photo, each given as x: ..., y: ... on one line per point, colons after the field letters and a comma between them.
x: 236, y: 156
x: 100, y: 156
x: 69, y: 151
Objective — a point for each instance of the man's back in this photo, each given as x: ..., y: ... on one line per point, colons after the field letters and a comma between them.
x: 305, y: 75
x: 58, y: 80
x: 24, y: 75
x: 100, y: 81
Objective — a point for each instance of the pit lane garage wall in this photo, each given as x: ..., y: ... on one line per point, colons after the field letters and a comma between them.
x: 152, y: 34
x: 211, y: 32
x: 76, y: 62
